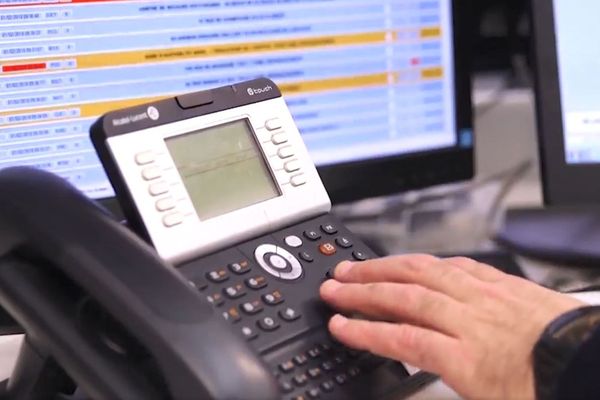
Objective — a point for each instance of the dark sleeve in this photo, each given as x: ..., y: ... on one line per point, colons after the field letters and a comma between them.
x: 581, y: 379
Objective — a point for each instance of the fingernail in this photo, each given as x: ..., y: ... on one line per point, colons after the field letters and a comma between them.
x: 338, y: 322
x: 329, y: 287
x: 343, y: 268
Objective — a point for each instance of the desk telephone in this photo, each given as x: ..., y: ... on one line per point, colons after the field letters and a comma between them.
x: 222, y: 186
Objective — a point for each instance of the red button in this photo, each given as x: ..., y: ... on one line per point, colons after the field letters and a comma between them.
x: 328, y: 249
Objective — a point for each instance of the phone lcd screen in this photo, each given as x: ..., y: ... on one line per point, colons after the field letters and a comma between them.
x: 222, y: 168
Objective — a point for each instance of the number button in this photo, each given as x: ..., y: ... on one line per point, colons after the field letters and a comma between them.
x: 235, y: 291
x: 216, y: 299
x: 287, y: 367
x: 232, y: 315
x: 289, y: 314
x: 218, y: 276
x: 249, y: 333
x: 273, y: 298
x: 268, y: 324
x: 256, y: 283
x: 252, y: 307
x: 240, y: 268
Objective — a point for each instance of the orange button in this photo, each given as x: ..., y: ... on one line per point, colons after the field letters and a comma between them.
x: 328, y: 249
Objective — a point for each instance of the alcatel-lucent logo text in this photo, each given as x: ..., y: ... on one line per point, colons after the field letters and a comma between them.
x: 253, y: 92
x: 151, y: 112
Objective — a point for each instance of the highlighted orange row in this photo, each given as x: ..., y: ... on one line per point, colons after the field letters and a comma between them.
x: 433, y: 32
x: 99, y: 108
x: 88, y: 110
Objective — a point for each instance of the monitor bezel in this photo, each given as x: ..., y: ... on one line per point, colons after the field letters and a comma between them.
x: 562, y: 184
x: 354, y: 181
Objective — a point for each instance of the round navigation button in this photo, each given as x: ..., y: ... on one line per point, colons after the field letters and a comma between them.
x: 277, y: 261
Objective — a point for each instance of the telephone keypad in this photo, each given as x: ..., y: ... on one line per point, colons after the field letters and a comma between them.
x: 274, y: 311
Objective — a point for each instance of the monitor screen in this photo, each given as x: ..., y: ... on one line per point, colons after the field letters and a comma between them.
x: 364, y: 79
x: 577, y: 31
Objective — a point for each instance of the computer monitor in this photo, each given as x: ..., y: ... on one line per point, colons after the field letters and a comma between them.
x: 567, y: 86
x: 378, y: 88
x: 568, y: 99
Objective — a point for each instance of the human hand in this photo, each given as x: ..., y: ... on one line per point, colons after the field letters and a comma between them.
x: 467, y: 322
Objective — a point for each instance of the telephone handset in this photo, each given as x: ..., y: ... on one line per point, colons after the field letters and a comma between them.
x: 221, y: 184
x: 80, y: 283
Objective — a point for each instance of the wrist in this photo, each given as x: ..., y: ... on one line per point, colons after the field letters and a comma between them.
x: 557, y: 346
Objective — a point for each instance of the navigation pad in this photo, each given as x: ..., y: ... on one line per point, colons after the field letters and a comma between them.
x: 278, y: 262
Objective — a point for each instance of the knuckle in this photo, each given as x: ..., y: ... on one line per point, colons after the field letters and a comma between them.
x: 412, y: 296
x: 462, y: 261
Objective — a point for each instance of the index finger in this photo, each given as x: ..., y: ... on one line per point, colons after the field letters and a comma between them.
x: 427, y: 271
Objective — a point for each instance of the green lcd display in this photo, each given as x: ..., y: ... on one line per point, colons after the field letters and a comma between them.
x: 222, y: 168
